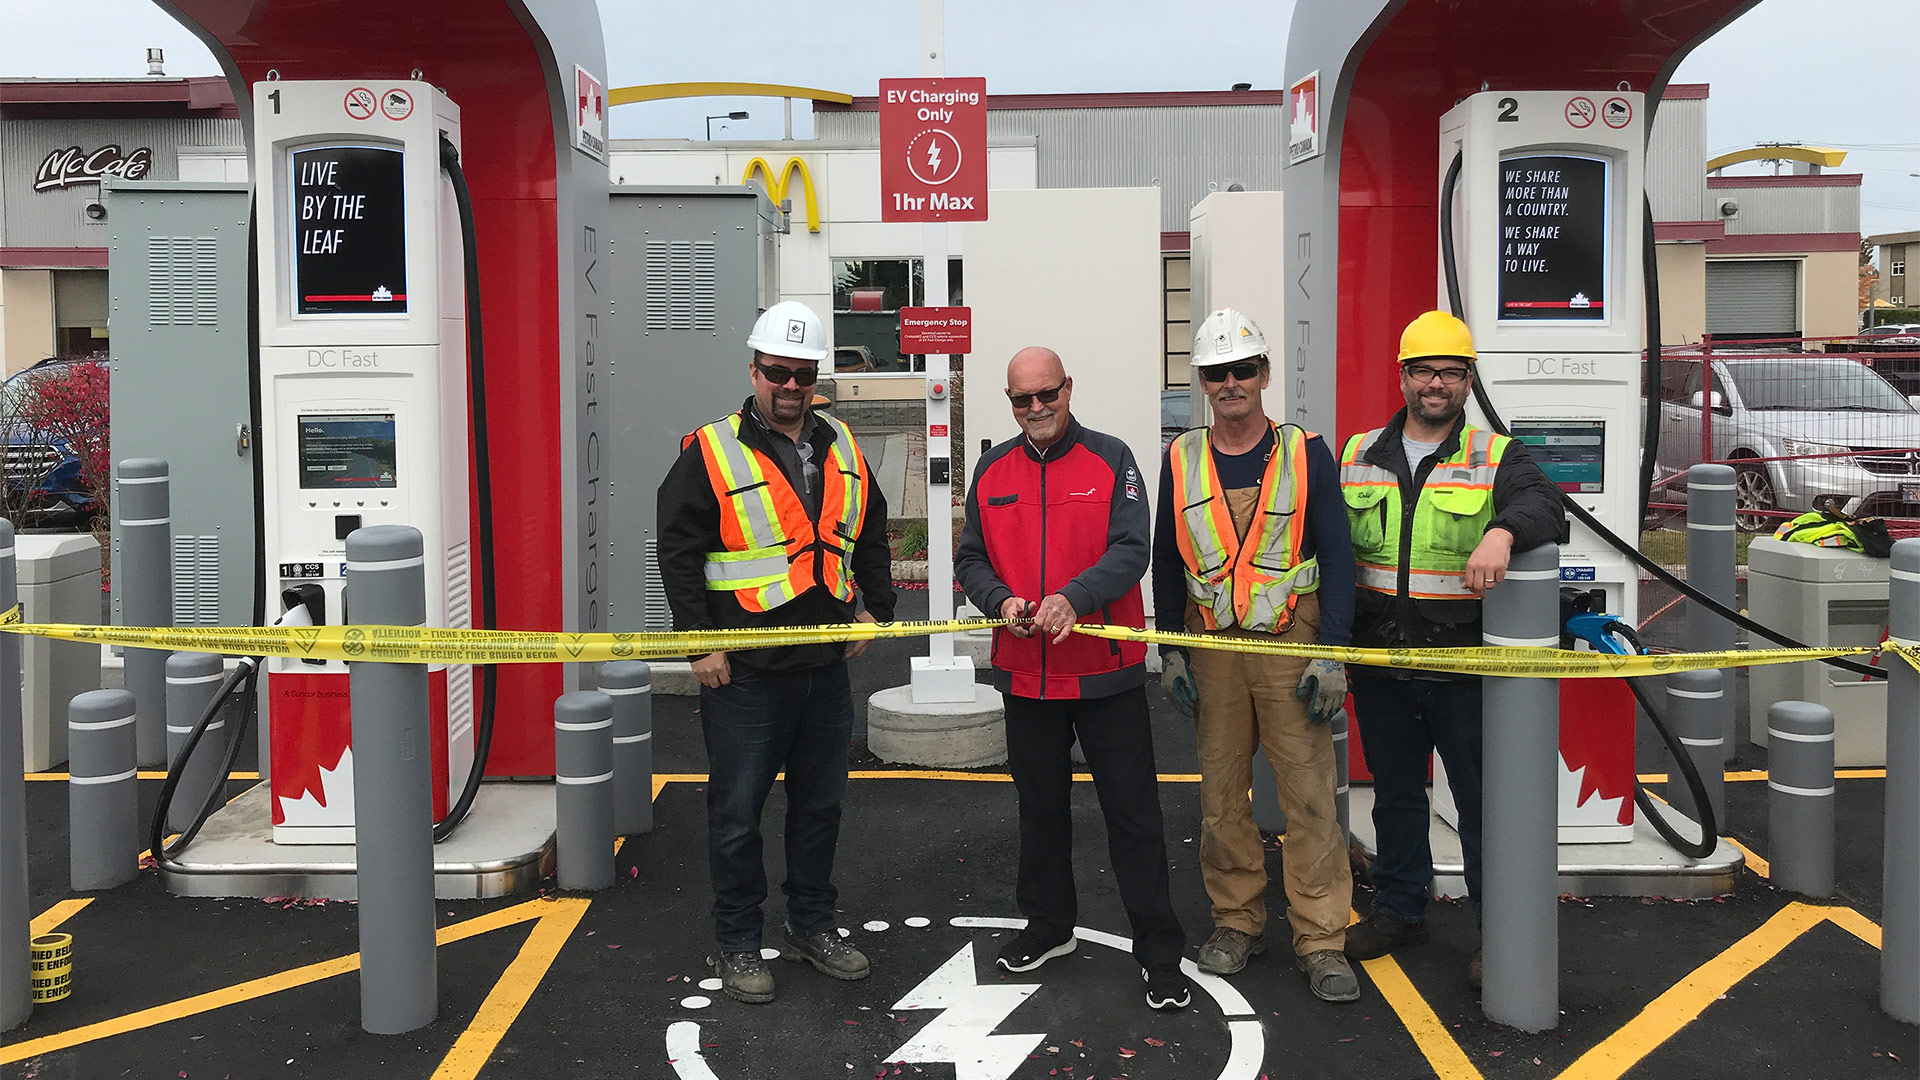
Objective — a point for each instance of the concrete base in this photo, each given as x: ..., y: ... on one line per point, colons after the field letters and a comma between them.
x: 59, y: 583
x: 941, y: 735
x: 505, y: 846
x: 1643, y: 866
x: 941, y: 682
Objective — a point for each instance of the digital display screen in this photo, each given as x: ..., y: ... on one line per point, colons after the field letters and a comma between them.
x: 1553, y: 238
x: 350, y: 230
x: 347, y: 451
x: 1573, y: 453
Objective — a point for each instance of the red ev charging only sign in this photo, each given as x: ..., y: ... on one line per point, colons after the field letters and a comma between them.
x: 933, y: 149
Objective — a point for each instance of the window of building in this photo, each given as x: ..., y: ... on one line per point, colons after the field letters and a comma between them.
x: 867, y: 297
x: 80, y: 313
x: 1177, y: 311
x: 1897, y: 268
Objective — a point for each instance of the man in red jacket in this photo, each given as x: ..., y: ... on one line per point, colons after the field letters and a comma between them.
x: 1058, y: 532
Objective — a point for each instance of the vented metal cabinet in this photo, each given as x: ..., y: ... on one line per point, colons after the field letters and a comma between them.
x: 177, y: 295
x: 691, y: 270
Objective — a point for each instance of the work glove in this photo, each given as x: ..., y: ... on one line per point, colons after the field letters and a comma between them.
x: 1176, y: 680
x: 1323, y: 687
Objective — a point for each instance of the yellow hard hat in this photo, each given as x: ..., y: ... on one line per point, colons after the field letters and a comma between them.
x: 1436, y: 333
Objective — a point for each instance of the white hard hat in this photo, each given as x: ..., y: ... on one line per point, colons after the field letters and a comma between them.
x: 1225, y: 337
x: 791, y: 329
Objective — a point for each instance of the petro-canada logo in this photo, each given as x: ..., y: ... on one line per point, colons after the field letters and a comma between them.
x: 1083, y: 1015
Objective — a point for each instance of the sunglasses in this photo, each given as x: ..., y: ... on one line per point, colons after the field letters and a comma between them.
x: 778, y: 375
x: 1046, y: 397
x: 1245, y: 371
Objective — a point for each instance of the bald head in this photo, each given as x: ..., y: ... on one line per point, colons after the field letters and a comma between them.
x: 1038, y: 388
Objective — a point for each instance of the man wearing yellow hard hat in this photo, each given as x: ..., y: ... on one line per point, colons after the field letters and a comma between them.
x: 1436, y: 508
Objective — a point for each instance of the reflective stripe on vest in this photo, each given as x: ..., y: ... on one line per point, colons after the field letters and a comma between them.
x: 773, y: 551
x: 1455, y: 506
x: 1252, y: 583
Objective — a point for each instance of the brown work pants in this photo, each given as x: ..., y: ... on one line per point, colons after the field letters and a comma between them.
x: 1247, y: 702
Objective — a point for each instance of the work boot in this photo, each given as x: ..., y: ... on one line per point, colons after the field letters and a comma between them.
x: 1029, y: 951
x: 1379, y: 934
x: 1473, y: 970
x: 1168, y: 987
x: 828, y: 952
x: 1226, y: 952
x: 1329, y: 975
x: 744, y: 977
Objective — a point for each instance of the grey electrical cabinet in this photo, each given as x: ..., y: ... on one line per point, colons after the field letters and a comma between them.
x: 177, y: 285
x: 692, y: 268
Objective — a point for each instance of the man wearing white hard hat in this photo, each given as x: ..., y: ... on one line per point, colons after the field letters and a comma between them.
x: 1252, y: 542
x: 771, y: 517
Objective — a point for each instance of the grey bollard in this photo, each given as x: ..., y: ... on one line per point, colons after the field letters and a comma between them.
x: 144, y: 508
x: 1519, y: 802
x: 392, y: 790
x: 583, y: 789
x: 630, y: 684
x: 1340, y: 777
x: 1900, y: 864
x: 193, y: 679
x: 1800, y: 796
x: 1710, y: 568
x: 1693, y: 712
x: 1267, y: 815
x: 16, y: 918
x: 103, y: 797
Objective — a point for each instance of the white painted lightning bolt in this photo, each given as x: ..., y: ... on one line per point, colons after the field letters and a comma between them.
x: 933, y: 158
x: 963, y: 1034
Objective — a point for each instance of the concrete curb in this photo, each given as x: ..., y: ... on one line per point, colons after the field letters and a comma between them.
x: 945, y: 735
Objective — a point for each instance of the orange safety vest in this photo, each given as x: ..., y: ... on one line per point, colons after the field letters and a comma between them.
x: 1252, y: 582
x: 774, y: 551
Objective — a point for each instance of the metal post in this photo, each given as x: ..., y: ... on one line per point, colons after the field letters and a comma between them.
x: 1900, y: 880
x: 1267, y: 815
x: 1706, y: 397
x: 16, y: 950
x: 192, y: 681
x: 1710, y: 568
x: 146, y: 594
x: 102, y: 790
x: 392, y: 789
x: 1800, y: 796
x: 1693, y: 699
x: 630, y: 684
x: 1340, y: 766
x: 583, y: 789
x: 1520, y: 803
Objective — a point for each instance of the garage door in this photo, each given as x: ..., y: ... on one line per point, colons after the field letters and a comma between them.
x: 1753, y: 298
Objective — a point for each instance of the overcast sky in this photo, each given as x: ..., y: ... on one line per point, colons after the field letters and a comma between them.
x: 1828, y: 72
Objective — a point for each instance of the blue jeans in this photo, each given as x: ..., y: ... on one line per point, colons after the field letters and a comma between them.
x: 755, y: 726
x: 1402, y: 721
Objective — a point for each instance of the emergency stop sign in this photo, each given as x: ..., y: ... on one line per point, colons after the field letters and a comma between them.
x: 933, y: 149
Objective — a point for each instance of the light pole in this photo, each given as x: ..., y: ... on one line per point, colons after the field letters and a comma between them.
x: 722, y: 116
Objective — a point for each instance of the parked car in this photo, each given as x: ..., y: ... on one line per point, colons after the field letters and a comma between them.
x: 1892, y: 334
x: 1176, y: 415
x: 1802, y: 433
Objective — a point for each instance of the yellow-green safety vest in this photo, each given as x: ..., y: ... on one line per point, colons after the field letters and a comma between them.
x: 1449, y: 519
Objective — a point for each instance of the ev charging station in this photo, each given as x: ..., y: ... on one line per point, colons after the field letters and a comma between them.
x: 1546, y: 221
x: 363, y: 376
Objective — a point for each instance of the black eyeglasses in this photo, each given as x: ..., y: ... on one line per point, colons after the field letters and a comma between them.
x: 778, y: 375
x: 1448, y: 376
x: 1047, y: 397
x: 1245, y: 371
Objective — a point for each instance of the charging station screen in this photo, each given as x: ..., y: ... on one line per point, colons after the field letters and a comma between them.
x: 350, y: 230
x: 1573, y: 453
x: 347, y: 451
x: 1553, y: 238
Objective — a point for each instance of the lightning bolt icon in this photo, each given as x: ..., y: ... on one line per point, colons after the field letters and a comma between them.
x: 933, y: 158
x: 963, y: 1034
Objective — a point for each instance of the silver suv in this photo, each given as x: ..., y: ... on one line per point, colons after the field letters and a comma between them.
x: 1802, y: 433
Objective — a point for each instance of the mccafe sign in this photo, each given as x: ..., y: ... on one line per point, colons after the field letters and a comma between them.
x: 65, y: 168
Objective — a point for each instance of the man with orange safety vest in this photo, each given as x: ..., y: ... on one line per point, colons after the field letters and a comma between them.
x: 1436, y: 507
x: 770, y: 517
x: 1252, y: 542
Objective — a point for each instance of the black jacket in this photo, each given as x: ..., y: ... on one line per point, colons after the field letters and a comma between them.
x: 689, y: 517
x: 1525, y: 503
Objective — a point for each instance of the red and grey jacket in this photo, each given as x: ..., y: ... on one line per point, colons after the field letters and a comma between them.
x: 1071, y: 520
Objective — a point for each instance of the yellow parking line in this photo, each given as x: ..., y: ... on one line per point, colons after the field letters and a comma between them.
x: 1856, y: 924
x: 144, y: 774
x: 49, y: 920
x: 1740, y: 776
x: 1429, y: 1033
x: 1755, y: 863
x: 511, y: 993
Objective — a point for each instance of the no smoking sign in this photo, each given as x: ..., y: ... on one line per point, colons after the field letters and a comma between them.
x: 933, y: 149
